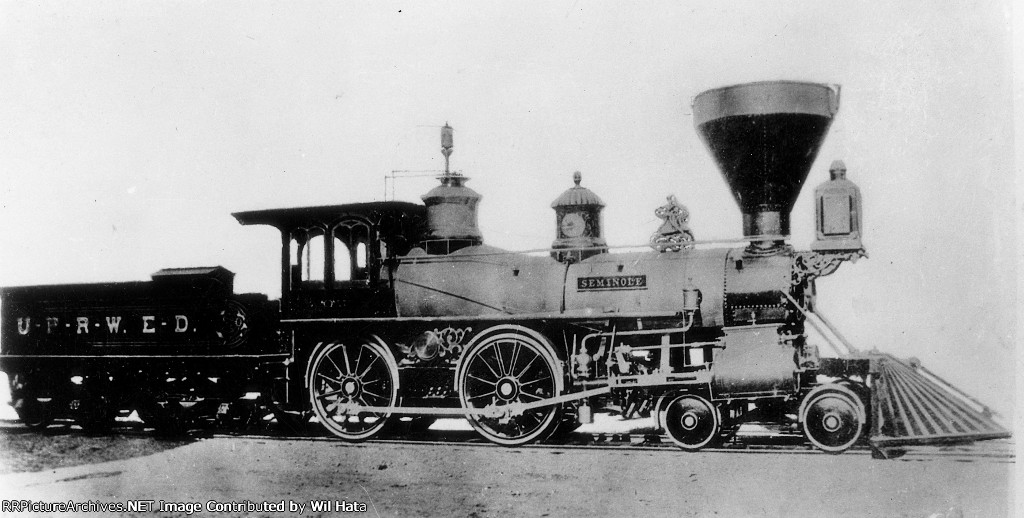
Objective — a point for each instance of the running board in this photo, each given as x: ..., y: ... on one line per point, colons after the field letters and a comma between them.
x: 912, y: 406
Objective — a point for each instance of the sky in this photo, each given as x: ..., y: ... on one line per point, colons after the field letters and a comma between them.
x: 129, y: 132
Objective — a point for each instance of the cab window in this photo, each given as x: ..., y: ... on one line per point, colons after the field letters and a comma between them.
x: 308, y: 256
x: 352, y: 252
x: 312, y: 259
x: 342, y: 261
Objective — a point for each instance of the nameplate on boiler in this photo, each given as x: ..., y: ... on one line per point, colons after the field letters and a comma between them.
x: 612, y: 283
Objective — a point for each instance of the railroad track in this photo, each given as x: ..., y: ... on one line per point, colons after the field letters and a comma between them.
x: 989, y: 451
x: 626, y: 443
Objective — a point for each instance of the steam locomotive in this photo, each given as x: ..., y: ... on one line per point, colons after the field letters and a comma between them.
x: 395, y: 311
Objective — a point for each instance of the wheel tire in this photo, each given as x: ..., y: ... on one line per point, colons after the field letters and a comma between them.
x: 833, y: 418
x: 33, y: 413
x: 568, y: 422
x: 567, y: 425
x: 515, y: 365
x: 361, y: 373
x: 692, y: 422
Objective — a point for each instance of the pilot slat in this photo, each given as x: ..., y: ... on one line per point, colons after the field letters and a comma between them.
x: 916, y: 410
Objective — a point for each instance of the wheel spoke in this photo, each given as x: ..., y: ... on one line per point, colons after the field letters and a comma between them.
x: 328, y: 378
x: 501, y: 361
x: 333, y: 406
x: 527, y: 394
x: 374, y: 394
x: 484, y: 361
x: 478, y: 396
x: 374, y: 360
x: 328, y: 357
x: 363, y: 401
x: 491, y: 383
x: 329, y: 394
x: 515, y: 356
x: 533, y: 415
x: 358, y: 357
x: 517, y: 376
x: 344, y: 353
x: 531, y: 382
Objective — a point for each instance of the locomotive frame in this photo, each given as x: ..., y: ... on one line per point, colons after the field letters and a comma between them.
x: 424, y: 360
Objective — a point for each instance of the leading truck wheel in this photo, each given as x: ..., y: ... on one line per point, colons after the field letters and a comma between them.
x: 506, y: 369
x: 832, y: 418
x: 344, y: 376
x: 692, y: 422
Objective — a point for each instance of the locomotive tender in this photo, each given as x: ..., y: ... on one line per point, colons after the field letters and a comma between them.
x: 394, y: 310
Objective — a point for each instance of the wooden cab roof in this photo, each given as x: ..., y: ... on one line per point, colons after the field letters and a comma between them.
x: 302, y: 217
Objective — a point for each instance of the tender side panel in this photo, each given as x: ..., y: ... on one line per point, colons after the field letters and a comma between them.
x: 138, y: 318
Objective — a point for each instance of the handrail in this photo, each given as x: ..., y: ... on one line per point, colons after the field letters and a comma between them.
x: 429, y: 258
x: 850, y: 350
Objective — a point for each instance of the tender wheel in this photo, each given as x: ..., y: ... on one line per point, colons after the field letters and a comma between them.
x: 345, y: 376
x: 168, y: 418
x: 832, y: 418
x: 512, y: 367
x: 32, y: 413
x: 95, y: 415
x: 692, y: 422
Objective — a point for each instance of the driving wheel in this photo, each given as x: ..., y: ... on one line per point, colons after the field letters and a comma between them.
x: 344, y: 376
x: 506, y: 369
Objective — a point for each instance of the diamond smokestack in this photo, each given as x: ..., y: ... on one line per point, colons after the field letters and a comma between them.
x: 765, y: 137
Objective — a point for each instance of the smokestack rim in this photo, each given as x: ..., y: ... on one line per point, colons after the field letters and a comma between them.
x: 764, y: 98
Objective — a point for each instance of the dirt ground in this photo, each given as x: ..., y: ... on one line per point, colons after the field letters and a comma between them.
x: 22, y: 449
x: 397, y: 479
